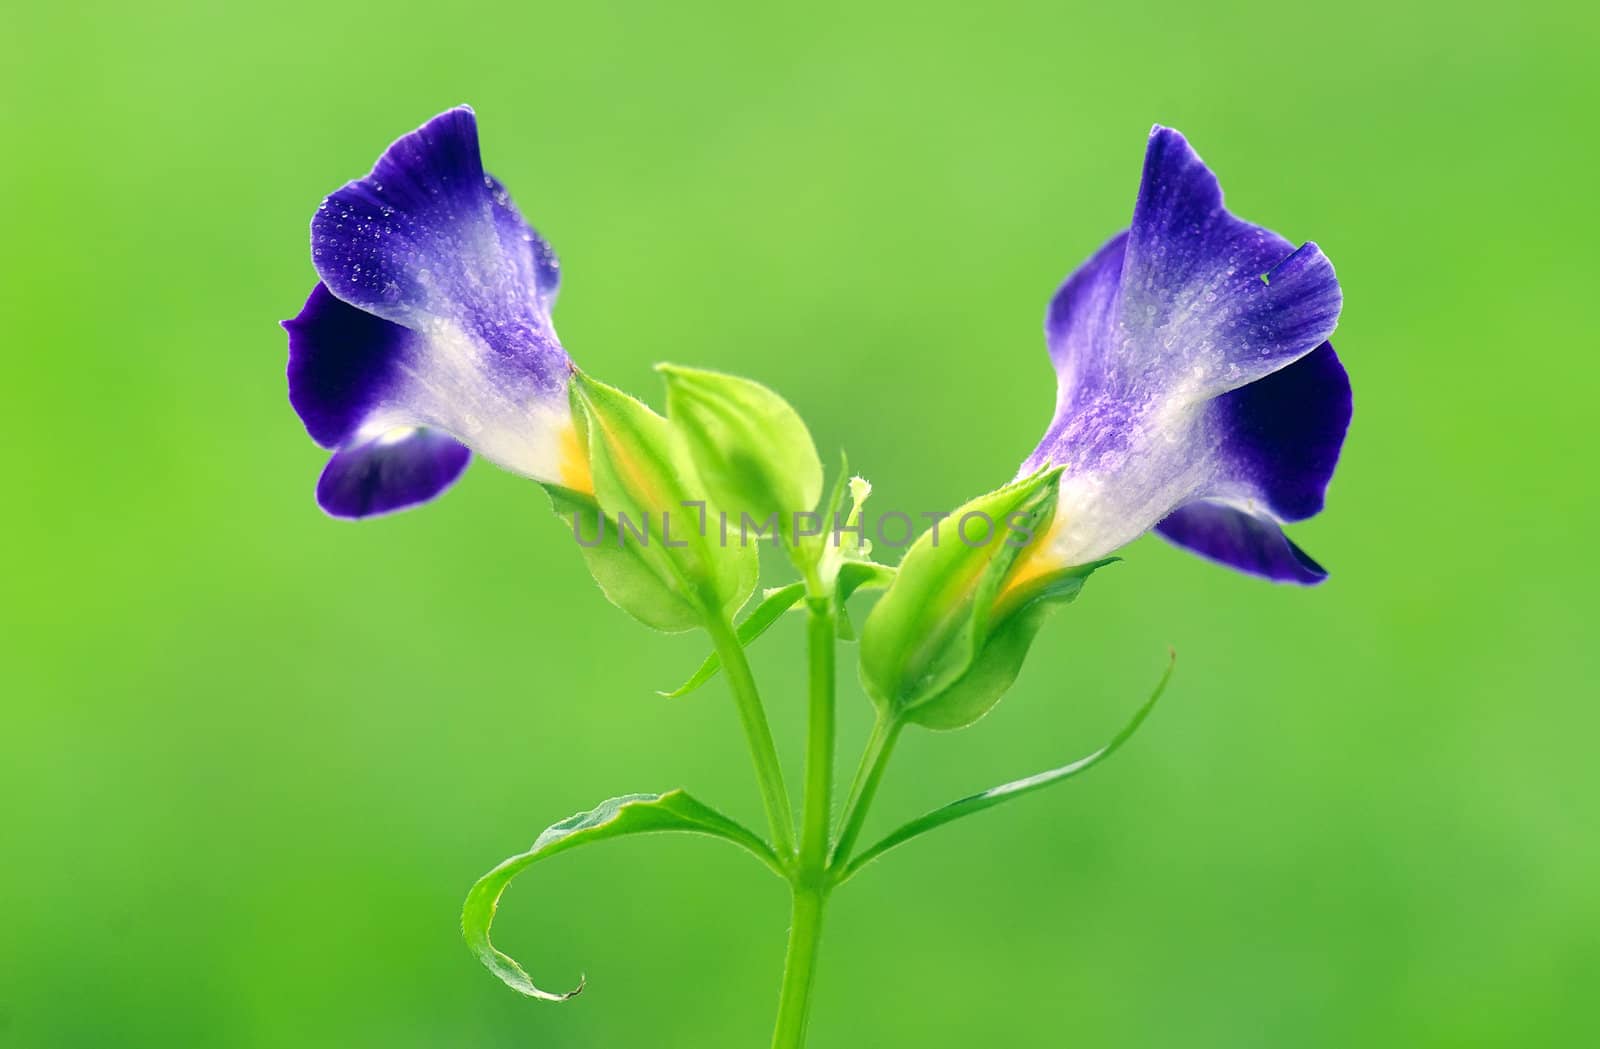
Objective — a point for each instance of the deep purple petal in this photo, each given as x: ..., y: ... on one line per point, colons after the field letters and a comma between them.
x: 341, y: 360
x: 391, y: 472
x: 1241, y: 540
x: 1282, y: 435
x: 1210, y: 299
x: 431, y: 242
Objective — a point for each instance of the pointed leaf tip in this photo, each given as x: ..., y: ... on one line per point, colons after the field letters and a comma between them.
x: 1005, y: 792
x: 617, y: 817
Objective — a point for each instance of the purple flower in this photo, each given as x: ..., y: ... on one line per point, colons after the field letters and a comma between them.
x: 429, y: 332
x: 1197, y: 392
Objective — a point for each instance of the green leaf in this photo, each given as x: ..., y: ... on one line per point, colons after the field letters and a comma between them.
x: 930, y: 626
x: 751, y: 447
x: 643, y: 474
x: 768, y: 612
x: 634, y: 583
x: 616, y: 818
x: 997, y: 795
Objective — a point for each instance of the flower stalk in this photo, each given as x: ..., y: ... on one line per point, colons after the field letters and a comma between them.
x: 808, y: 881
x: 799, y: 967
x: 869, y: 774
x: 757, y: 733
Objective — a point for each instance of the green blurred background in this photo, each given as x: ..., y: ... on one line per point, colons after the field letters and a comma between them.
x: 251, y: 758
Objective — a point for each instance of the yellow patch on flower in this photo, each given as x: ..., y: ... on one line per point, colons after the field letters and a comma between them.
x: 1037, y: 561
x: 574, y: 463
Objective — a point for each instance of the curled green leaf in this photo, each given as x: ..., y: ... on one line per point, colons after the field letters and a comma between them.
x: 996, y: 795
x: 768, y: 612
x: 615, y: 818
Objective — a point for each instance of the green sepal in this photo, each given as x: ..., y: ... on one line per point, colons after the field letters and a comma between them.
x: 751, y: 447
x: 988, y: 799
x: 616, y: 818
x: 929, y: 628
x: 769, y: 611
x: 855, y: 576
x: 1010, y: 634
x: 643, y: 474
x: 628, y: 579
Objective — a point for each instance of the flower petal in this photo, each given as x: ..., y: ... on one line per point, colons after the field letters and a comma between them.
x: 1240, y: 540
x: 1082, y: 326
x: 390, y: 471
x: 342, y: 363
x: 1279, y: 442
x: 353, y: 374
x: 1211, y: 302
x: 429, y: 237
x: 1281, y: 436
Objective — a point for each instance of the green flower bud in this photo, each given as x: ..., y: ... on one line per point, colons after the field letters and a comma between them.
x: 650, y: 535
x: 949, y: 637
x: 751, y: 448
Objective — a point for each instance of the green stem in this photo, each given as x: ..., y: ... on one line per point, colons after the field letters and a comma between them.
x: 873, y: 763
x: 769, y: 771
x: 818, y: 800
x: 799, y: 967
x: 809, y: 880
